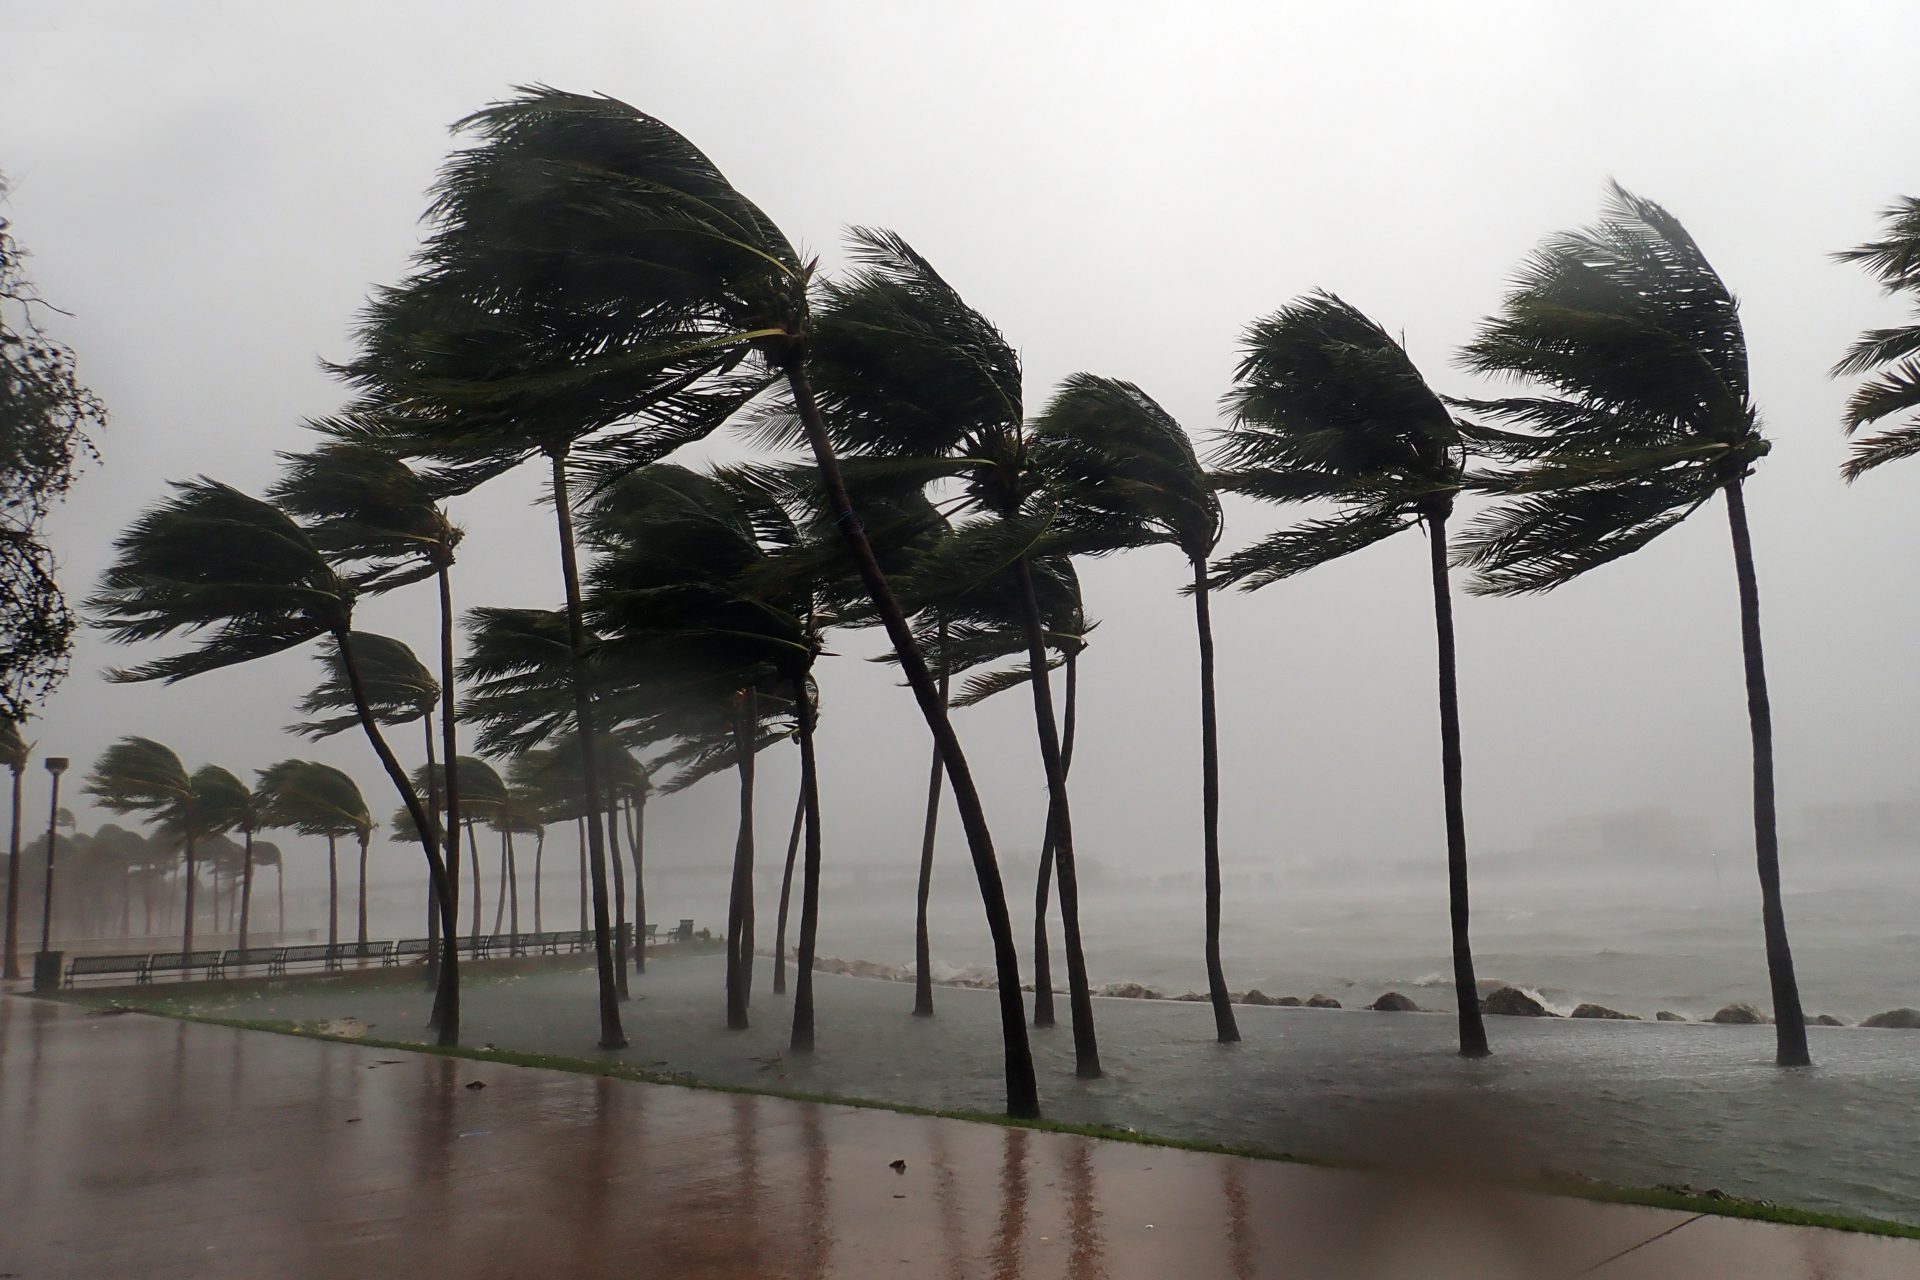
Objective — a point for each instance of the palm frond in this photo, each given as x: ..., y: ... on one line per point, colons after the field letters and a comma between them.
x: 1305, y: 546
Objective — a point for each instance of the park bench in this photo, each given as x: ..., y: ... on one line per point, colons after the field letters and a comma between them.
x: 88, y: 966
x: 308, y: 953
x: 398, y: 951
x: 253, y: 955
x: 213, y: 962
x: 685, y: 932
x: 653, y: 934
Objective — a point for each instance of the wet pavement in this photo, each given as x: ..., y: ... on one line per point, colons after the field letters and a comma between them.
x: 137, y: 1146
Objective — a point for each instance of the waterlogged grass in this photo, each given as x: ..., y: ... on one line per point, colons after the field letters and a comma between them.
x: 190, y: 1008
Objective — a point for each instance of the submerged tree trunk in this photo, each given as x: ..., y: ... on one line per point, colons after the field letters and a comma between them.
x: 1086, y: 1049
x: 1225, y: 1029
x: 786, y: 892
x: 740, y: 901
x: 1023, y: 1093
x: 1790, y: 1023
x: 923, y: 890
x: 1473, y: 1030
x: 802, y: 1040
x: 12, y: 964
x: 619, y: 903
x: 611, y: 1034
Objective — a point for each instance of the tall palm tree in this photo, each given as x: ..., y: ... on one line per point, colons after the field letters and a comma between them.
x: 14, y: 753
x: 907, y: 370
x: 229, y: 805
x: 1892, y: 354
x: 1132, y: 479
x: 1327, y: 406
x: 474, y: 791
x: 319, y: 800
x: 1642, y: 413
x: 243, y: 576
x: 369, y: 512
x: 139, y: 775
x: 500, y: 334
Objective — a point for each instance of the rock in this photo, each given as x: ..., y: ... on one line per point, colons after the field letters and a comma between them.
x: 1394, y: 1002
x: 1668, y: 1016
x: 1743, y: 1015
x: 1257, y: 996
x: 1191, y: 995
x: 1129, y: 991
x: 1601, y: 1011
x: 1895, y: 1019
x: 1322, y: 1002
x: 1512, y: 1002
x: 1288, y: 1002
x: 1826, y: 1020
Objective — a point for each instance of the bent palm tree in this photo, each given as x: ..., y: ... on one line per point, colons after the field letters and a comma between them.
x: 245, y: 577
x: 14, y: 753
x: 1326, y: 406
x: 690, y: 280
x: 1644, y: 414
x: 1129, y: 475
x: 319, y: 800
x: 228, y: 805
x: 139, y: 775
x: 1892, y: 355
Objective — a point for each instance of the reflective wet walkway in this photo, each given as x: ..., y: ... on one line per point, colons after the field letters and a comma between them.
x: 136, y: 1146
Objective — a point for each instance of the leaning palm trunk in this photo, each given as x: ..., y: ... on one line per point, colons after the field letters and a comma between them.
x: 611, y: 1034
x: 1473, y: 1031
x: 619, y: 903
x: 473, y: 859
x: 446, y: 1001
x: 1790, y: 1025
x: 637, y: 847
x: 740, y: 900
x: 1086, y: 1049
x: 433, y: 914
x: 1043, y: 883
x: 786, y: 892
x: 12, y: 969
x: 539, y: 869
x: 1225, y: 1029
x: 246, y: 884
x: 1023, y: 1093
x: 500, y: 894
x: 802, y: 1040
x: 923, y: 891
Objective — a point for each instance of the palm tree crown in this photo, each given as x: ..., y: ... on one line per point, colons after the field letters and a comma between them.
x: 1893, y: 354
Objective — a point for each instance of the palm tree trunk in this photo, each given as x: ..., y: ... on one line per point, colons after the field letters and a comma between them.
x: 12, y: 967
x: 513, y: 891
x: 637, y: 847
x: 1225, y: 1029
x: 500, y: 892
x: 246, y: 883
x: 433, y: 915
x: 539, y: 859
x: 620, y: 984
x: 611, y: 1035
x: 740, y: 902
x: 1790, y: 1023
x: 580, y: 837
x: 1473, y: 1030
x: 333, y: 895
x: 923, y: 892
x: 361, y: 938
x: 279, y: 896
x: 1086, y: 1049
x: 473, y: 859
x: 186, y: 934
x: 448, y: 1000
x: 1043, y: 885
x: 802, y: 1040
x: 786, y: 892
x: 1023, y: 1093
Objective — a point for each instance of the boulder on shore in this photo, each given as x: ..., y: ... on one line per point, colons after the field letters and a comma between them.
x: 1322, y: 1002
x: 1826, y: 1020
x: 1895, y: 1019
x: 1191, y: 995
x: 1255, y: 996
x: 1601, y: 1011
x: 1740, y: 1015
x: 1667, y: 1015
x: 1394, y: 1002
x: 1288, y: 1002
x: 1512, y: 1002
x: 1129, y: 991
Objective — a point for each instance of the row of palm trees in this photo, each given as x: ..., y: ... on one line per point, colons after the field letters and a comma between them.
x: 593, y: 294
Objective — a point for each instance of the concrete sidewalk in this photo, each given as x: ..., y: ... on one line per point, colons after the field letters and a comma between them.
x: 136, y: 1146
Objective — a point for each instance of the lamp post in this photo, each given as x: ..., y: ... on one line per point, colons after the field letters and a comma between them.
x: 46, y: 962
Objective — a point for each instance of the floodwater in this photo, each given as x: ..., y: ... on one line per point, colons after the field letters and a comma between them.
x: 1634, y: 1103
x: 140, y: 1147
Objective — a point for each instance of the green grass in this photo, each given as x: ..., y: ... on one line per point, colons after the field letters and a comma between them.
x: 1578, y: 1188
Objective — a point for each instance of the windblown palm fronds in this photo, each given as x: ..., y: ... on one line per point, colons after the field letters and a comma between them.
x: 1891, y: 355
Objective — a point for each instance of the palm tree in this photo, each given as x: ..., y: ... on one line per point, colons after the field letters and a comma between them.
x: 139, y: 775
x: 907, y: 370
x: 1326, y: 406
x: 370, y: 512
x: 229, y: 805
x: 1643, y: 413
x: 14, y: 753
x: 247, y: 579
x: 1893, y: 354
x: 267, y: 854
x: 319, y: 800
x: 474, y: 791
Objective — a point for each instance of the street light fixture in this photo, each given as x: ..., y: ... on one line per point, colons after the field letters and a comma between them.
x: 46, y: 963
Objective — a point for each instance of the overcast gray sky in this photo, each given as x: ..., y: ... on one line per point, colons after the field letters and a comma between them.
x: 211, y: 188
